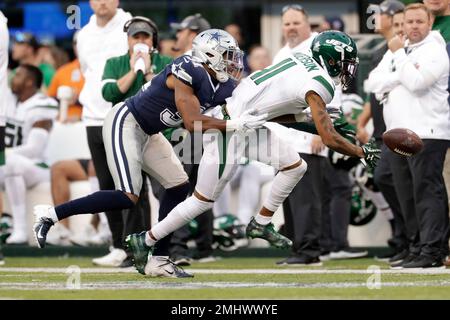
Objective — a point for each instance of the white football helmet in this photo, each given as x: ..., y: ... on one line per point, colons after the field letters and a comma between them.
x: 219, y: 51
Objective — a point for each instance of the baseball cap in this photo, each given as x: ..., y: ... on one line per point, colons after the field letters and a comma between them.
x: 139, y: 26
x: 389, y: 7
x: 336, y: 23
x: 27, y: 38
x: 195, y: 22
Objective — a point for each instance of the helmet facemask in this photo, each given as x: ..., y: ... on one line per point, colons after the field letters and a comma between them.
x: 229, y: 66
x: 348, y: 71
x: 342, y: 72
x: 220, y: 52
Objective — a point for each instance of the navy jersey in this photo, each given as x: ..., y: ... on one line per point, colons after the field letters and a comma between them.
x: 154, y: 105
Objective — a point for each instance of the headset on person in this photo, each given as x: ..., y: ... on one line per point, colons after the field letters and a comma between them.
x: 150, y: 23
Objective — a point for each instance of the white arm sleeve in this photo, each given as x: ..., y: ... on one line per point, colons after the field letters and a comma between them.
x: 421, y: 77
x: 35, y: 145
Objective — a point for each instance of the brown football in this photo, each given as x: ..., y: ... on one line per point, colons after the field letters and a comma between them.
x: 403, y: 141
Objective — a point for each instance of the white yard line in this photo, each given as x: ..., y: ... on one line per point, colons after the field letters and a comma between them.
x: 288, y: 270
x: 205, y: 285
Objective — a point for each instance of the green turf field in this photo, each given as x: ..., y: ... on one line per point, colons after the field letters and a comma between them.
x: 228, y: 278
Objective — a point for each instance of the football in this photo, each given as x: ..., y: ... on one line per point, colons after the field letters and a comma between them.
x: 403, y: 141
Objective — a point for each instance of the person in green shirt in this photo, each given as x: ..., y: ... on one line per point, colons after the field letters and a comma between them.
x: 123, y: 76
x: 440, y: 11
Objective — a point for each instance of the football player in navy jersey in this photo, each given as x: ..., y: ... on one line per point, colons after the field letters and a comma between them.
x: 131, y: 131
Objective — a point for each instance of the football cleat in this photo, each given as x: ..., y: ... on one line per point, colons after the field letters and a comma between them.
x: 159, y: 266
x: 42, y: 224
x: 267, y: 232
x: 136, y: 244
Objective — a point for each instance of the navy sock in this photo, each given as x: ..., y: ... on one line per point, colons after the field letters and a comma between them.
x: 171, y: 198
x: 105, y: 200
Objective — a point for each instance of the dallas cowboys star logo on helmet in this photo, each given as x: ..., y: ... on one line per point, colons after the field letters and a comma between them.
x: 216, y: 36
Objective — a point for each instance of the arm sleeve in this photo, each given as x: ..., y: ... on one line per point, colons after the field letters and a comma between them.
x: 341, y: 126
x: 421, y: 76
x: 36, y: 143
x: 110, y: 89
x: 302, y: 126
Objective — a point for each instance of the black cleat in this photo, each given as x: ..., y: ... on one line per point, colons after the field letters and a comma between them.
x: 42, y: 224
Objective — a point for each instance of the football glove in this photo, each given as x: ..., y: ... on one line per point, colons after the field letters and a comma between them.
x: 371, y: 154
x: 247, y: 121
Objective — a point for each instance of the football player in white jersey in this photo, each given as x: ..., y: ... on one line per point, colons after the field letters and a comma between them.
x: 285, y: 92
x: 29, y: 117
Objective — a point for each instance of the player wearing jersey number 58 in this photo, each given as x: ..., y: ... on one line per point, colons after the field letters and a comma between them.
x: 282, y: 91
x: 179, y: 94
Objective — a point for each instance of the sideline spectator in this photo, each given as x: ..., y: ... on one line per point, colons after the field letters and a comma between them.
x: 69, y: 75
x: 25, y: 51
x: 389, y: 23
x: 418, y: 101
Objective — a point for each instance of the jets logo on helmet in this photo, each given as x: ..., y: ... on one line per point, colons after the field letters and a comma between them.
x: 339, y: 44
x: 336, y: 52
x: 219, y: 51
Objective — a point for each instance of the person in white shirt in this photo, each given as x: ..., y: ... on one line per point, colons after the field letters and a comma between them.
x: 102, y: 38
x: 417, y: 100
x: 389, y: 24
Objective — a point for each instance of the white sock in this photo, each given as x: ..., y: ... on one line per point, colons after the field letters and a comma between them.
x: 263, y: 219
x: 222, y: 203
x: 180, y: 215
x: 245, y: 216
x: 148, y: 240
x: 53, y: 215
x: 249, y: 192
x: 282, y: 185
x: 16, y: 192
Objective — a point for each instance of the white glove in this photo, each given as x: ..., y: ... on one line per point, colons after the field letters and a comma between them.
x: 247, y: 121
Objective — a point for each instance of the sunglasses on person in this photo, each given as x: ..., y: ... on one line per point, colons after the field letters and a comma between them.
x: 296, y: 7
